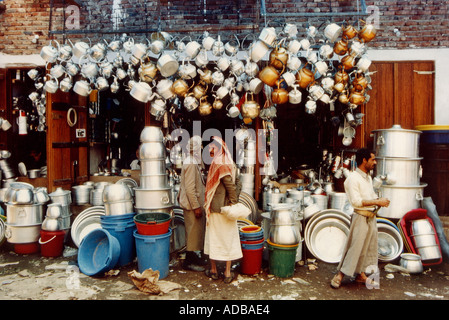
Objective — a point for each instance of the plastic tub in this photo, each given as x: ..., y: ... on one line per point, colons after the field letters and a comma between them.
x: 123, y: 232
x: 153, y: 252
x: 252, y: 260
x: 152, y: 223
x: 98, y: 252
x: 26, y: 248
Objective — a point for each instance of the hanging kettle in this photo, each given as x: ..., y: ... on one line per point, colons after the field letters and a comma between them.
x: 279, y: 95
x: 250, y: 108
x: 205, y: 108
x: 270, y: 75
x: 304, y: 77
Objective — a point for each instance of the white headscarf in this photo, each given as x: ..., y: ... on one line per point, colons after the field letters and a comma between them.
x: 194, y: 147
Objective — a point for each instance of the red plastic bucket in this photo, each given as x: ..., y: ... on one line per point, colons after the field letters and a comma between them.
x: 52, y: 243
x: 152, y: 224
x: 251, y: 261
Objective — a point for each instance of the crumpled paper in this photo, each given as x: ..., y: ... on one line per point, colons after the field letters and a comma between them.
x: 148, y: 282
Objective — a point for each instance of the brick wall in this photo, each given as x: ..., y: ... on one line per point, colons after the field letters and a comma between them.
x: 421, y: 24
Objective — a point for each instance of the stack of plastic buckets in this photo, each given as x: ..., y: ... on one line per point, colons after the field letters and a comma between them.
x: 122, y: 228
x: 152, y: 239
x: 252, y: 241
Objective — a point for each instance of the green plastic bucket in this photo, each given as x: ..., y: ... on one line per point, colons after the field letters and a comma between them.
x: 281, y: 259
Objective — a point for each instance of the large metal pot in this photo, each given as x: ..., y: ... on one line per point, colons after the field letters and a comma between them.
x: 151, y: 134
x: 153, y: 199
x: 396, y: 142
x: 117, y: 192
x: 154, y: 181
x: 151, y: 150
x: 22, y: 233
x: 282, y: 214
x: 81, y: 194
x: 24, y: 214
x: 284, y: 235
x: 401, y: 171
x: 403, y: 198
x: 149, y: 167
x: 115, y: 208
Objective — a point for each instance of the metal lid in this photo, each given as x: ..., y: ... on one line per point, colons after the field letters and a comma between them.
x: 397, y: 127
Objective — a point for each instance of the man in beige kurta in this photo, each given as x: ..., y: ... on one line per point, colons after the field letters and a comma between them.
x: 191, y: 200
x: 360, y: 251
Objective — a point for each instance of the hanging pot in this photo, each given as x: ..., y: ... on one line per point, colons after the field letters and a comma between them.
x: 251, y: 68
x: 141, y: 91
x: 332, y: 32
x: 341, y: 46
x: 66, y: 84
x: 199, y: 90
x: 217, y: 78
x: 98, y: 52
x: 349, y: 31
x: 258, y: 50
x: 158, y: 108
x: 164, y: 89
x: 250, y: 108
x: 357, y: 95
x: 201, y: 59
x: 147, y: 71
x: 360, y: 80
x: 348, y: 62
x: 217, y: 104
x: 180, y: 87
x: 205, y: 108
x: 80, y: 49
x: 206, y: 75
x: 187, y: 70
x: 279, y: 95
x: 279, y: 56
x: 65, y: 52
x: 304, y: 77
x: 218, y: 47
x: 237, y: 67
x: 268, y: 35
x: 82, y: 87
x: 295, y: 96
x: 367, y: 33
x: 192, y: 49
x: 190, y: 102
x: 223, y: 63
x: 128, y: 45
x: 52, y: 85
x: 50, y: 53
x: 270, y: 75
x: 167, y: 65
x: 57, y: 71
x: 341, y: 76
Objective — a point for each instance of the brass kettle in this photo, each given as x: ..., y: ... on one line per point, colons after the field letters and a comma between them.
x: 341, y: 76
x: 250, y: 108
x: 279, y: 56
x: 341, y: 46
x: 349, y: 32
x: 348, y: 61
x: 279, y: 95
x: 304, y: 77
x: 180, y: 87
x: 200, y: 90
x: 270, y: 75
x: 217, y: 104
x: 360, y: 80
x: 357, y: 95
x: 205, y: 108
x: 367, y: 33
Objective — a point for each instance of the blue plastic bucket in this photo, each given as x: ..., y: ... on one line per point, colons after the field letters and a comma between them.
x: 98, y: 252
x: 123, y: 232
x: 255, y: 246
x: 118, y: 218
x: 153, y: 252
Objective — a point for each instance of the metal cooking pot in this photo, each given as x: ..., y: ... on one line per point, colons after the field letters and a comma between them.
x: 412, y: 262
x: 153, y: 199
x: 154, y: 181
x: 396, y: 142
x: 116, y: 208
x: 41, y: 195
x: 402, y: 199
x: 282, y: 214
x: 51, y: 224
x: 285, y: 235
x: 117, y: 192
x: 152, y: 166
x: 401, y: 171
x: 151, y: 150
x: 34, y: 173
x: 54, y: 210
x: 81, y: 194
x: 19, y: 195
x: 25, y: 214
x: 151, y: 134
x: 61, y: 196
x: 422, y: 226
x: 22, y: 233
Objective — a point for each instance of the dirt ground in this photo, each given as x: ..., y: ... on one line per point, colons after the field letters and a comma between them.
x: 33, y: 277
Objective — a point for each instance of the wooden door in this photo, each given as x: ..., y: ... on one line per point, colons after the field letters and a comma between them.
x: 402, y: 93
x: 67, y: 153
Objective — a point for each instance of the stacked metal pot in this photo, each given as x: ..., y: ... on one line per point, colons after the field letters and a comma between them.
x: 117, y: 199
x: 285, y: 226
x: 62, y: 198
x: 154, y: 193
x: 23, y: 215
x: 398, y: 170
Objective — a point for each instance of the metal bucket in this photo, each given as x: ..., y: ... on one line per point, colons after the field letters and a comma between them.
x: 153, y: 199
x: 24, y: 214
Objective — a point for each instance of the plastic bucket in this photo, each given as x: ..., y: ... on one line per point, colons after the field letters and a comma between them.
x: 153, y: 252
x: 123, y: 232
x: 98, y: 252
x: 52, y: 243
x: 252, y: 260
x: 152, y: 223
x: 281, y: 259
x: 251, y: 233
x: 118, y: 218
